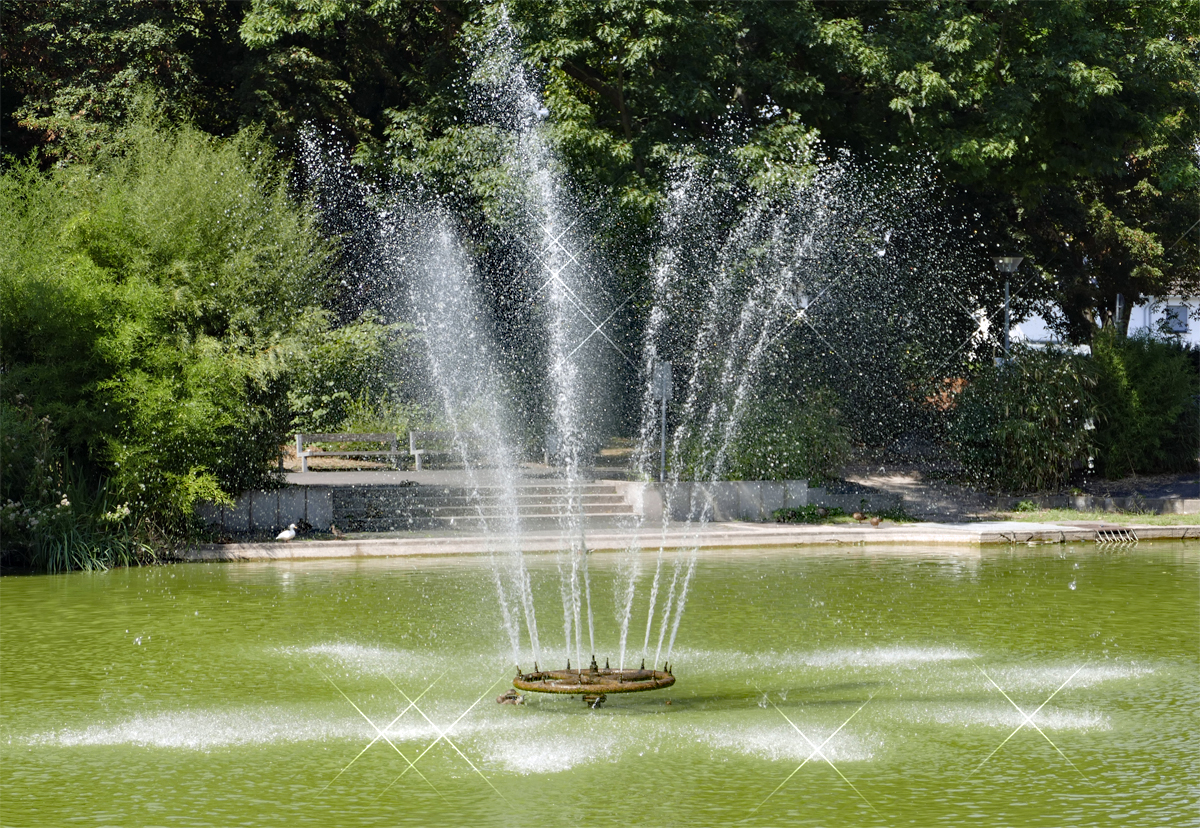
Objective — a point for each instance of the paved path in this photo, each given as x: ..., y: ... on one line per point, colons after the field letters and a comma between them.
x: 436, y: 477
x: 940, y: 500
x: 909, y: 537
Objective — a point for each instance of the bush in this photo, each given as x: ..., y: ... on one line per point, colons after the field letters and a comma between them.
x: 346, y: 378
x: 1026, y: 425
x: 152, y: 303
x: 50, y: 517
x: 808, y: 514
x: 785, y: 437
x: 1146, y: 390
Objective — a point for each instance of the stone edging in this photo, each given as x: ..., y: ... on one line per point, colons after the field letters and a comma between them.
x: 715, y: 536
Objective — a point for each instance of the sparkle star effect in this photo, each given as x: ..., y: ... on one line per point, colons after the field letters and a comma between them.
x: 381, y: 733
x: 445, y: 735
x: 442, y: 735
x: 1028, y: 720
x: 983, y: 326
x: 817, y: 750
x: 554, y: 243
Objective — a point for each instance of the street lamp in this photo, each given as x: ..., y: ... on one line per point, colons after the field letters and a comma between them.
x: 663, y: 385
x: 800, y: 300
x: 1007, y: 265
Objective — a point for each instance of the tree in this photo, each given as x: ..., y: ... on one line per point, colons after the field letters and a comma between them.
x: 151, y: 304
x: 1070, y: 128
x: 348, y: 64
x: 73, y: 70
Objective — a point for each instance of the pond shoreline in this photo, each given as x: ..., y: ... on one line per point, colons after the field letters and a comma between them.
x: 730, y: 535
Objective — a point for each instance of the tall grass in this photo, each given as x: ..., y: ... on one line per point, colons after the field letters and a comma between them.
x: 52, y: 519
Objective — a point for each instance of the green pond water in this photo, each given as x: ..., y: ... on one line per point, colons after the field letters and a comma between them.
x: 1045, y: 686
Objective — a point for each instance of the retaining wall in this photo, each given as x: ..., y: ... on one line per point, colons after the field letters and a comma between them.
x: 272, y: 511
x: 1091, y: 503
x: 752, y: 500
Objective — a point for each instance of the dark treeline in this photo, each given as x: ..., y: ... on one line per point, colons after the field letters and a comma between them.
x: 172, y: 303
x: 1069, y: 128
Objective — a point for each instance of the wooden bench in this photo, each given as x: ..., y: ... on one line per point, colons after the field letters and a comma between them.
x: 390, y: 439
x: 422, y: 444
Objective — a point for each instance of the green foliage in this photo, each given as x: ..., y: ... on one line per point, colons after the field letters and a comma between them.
x: 896, y: 515
x: 344, y: 372
x: 366, y: 417
x: 74, y: 69
x: 790, y: 438
x: 51, y: 518
x: 808, y: 514
x: 1024, y: 425
x: 351, y: 64
x: 1067, y: 128
x: 628, y: 80
x: 1146, y: 390
x: 1026, y: 506
x: 151, y: 303
x: 835, y: 514
x: 1070, y: 126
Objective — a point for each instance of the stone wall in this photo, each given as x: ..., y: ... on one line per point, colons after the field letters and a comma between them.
x: 751, y: 500
x: 272, y: 511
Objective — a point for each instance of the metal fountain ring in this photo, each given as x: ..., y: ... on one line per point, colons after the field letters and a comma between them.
x: 594, y: 682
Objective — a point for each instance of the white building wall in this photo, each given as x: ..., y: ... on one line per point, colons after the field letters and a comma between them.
x: 1142, y: 318
x: 1184, y: 310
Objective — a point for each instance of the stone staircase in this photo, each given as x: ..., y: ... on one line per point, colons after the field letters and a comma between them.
x: 416, y: 506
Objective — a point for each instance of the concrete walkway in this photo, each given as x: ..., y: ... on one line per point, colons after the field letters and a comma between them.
x: 427, y: 477
x: 910, y: 536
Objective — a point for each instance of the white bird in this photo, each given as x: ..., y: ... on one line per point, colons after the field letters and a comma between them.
x: 288, y: 533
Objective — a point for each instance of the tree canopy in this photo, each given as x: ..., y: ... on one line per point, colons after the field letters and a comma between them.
x: 1069, y: 128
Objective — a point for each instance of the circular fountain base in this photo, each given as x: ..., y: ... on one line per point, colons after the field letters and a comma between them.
x: 594, y: 682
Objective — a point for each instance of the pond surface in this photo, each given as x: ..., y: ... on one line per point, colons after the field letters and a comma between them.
x: 1044, y: 686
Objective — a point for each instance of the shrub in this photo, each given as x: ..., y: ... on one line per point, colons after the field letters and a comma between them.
x: 347, y: 377
x: 152, y: 302
x: 50, y: 517
x: 1146, y: 390
x: 786, y: 437
x: 808, y: 514
x: 1025, y: 424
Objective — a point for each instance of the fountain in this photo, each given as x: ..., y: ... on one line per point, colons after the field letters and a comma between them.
x: 594, y: 682
x: 819, y: 283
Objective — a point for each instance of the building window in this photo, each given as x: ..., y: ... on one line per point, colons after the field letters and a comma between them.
x: 1175, y: 318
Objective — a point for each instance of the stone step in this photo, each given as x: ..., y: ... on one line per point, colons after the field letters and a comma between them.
x: 521, y: 502
x: 442, y: 492
x: 396, y: 523
x: 531, y: 510
x: 401, y: 507
x: 388, y: 505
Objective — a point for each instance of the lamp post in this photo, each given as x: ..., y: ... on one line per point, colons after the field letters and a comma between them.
x: 800, y: 300
x: 1007, y: 265
x: 662, y: 391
